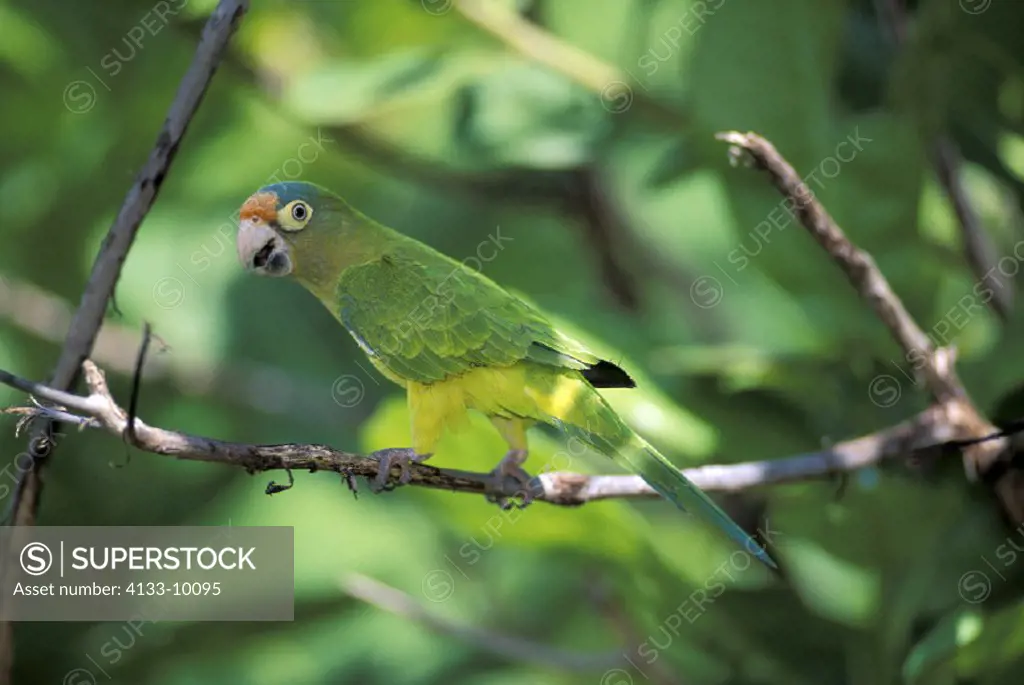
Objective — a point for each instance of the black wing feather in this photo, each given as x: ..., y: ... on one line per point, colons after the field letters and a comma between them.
x: 604, y: 374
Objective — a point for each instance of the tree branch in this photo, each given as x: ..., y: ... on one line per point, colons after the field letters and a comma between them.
x: 511, y: 648
x: 980, y: 250
x: 859, y: 267
x: 605, y: 231
x: 260, y: 387
x: 935, y: 364
x: 107, y: 267
x: 100, y: 410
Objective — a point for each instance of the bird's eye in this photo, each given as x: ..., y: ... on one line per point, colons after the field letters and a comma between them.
x: 295, y: 215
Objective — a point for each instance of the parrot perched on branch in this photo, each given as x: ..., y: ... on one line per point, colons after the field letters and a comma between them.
x: 454, y: 339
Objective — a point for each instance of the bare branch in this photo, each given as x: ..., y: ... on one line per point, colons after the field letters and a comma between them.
x: 982, y: 256
x: 107, y: 267
x: 257, y: 386
x: 981, y: 252
x: 559, y: 488
x: 514, y: 649
x: 607, y: 234
x: 935, y: 364
x: 860, y: 268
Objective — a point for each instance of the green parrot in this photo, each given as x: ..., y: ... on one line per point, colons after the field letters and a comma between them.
x: 454, y: 339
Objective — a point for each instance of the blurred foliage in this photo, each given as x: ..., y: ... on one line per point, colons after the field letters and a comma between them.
x: 746, y: 340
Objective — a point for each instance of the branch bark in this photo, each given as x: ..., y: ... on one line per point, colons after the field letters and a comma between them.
x: 107, y: 268
x: 936, y: 365
x: 267, y: 389
x: 100, y: 410
x: 979, y: 248
x: 981, y: 253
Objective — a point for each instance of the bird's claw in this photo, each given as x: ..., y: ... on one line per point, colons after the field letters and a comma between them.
x: 511, y: 467
x: 389, y: 458
x: 273, y: 487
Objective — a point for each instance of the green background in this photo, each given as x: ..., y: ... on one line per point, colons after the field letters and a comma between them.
x: 623, y: 219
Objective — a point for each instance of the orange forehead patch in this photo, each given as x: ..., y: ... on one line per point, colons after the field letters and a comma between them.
x: 259, y: 206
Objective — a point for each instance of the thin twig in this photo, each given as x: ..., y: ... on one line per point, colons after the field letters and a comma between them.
x: 981, y: 253
x: 107, y: 268
x: 983, y: 259
x: 605, y: 229
x: 511, y: 648
x: 926, y: 431
x: 140, y: 363
x: 982, y: 256
x: 935, y: 364
x: 260, y: 387
x: 859, y: 267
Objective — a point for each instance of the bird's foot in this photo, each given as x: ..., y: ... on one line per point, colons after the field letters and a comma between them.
x: 511, y: 466
x: 390, y: 458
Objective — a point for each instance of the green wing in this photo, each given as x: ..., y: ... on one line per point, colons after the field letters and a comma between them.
x: 427, y: 317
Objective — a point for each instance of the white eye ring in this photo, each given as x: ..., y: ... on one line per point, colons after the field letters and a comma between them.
x: 300, y: 211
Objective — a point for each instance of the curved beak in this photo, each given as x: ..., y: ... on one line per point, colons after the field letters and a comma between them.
x: 262, y: 250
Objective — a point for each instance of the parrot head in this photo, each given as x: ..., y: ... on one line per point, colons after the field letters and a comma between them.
x: 284, y: 226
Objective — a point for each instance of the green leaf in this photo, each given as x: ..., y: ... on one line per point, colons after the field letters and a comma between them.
x: 525, y: 115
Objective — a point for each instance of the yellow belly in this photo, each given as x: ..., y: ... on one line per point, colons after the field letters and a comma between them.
x: 526, y: 391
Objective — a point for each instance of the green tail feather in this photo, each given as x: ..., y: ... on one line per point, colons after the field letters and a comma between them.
x: 667, y: 480
x: 671, y: 484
